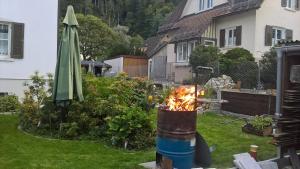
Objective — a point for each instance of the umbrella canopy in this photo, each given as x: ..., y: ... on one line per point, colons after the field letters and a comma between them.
x: 68, y: 80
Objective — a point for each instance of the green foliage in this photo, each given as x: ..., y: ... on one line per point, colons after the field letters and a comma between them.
x: 204, y: 56
x: 240, y: 64
x: 133, y: 126
x: 69, y: 130
x: 9, y: 104
x: 268, y: 65
x: 142, y: 16
x: 96, y: 37
x: 234, y: 57
x: 105, y: 98
x: 35, y: 96
x: 239, y: 54
x: 125, y: 44
x: 261, y: 122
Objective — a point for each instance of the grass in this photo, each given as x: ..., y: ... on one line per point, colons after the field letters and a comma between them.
x: 19, y: 150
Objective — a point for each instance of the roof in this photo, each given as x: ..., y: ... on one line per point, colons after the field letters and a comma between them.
x: 94, y: 63
x: 173, y: 17
x: 128, y: 56
x: 193, y: 26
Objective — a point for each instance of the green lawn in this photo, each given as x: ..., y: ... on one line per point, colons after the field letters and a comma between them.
x: 19, y: 150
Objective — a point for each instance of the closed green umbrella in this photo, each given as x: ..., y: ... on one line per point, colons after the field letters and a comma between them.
x: 68, y: 82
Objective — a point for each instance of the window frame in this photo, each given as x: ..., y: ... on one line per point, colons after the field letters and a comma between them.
x: 291, y: 4
x: 209, y: 41
x: 227, y: 38
x: 191, y: 45
x: 205, y: 5
x: 201, y: 5
x: 209, y: 4
x: 275, y: 39
x: 9, y: 41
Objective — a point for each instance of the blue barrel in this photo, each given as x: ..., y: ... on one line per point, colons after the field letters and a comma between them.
x: 181, y: 152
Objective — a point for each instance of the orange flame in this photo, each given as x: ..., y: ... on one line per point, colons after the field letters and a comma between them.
x: 182, y: 99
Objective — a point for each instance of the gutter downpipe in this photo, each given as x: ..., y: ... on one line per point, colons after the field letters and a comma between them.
x: 278, y: 92
x: 278, y: 83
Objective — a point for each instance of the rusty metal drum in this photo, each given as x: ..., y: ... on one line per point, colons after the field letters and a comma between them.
x: 176, y: 124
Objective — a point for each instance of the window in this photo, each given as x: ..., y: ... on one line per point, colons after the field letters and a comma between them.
x: 291, y: 4
x: 277, y: 35
x: 184, y: 50
x: 5, y: 40
x: 209, y: 43
x: 209, y: 4
x: 201, y: 5
x: 205, y: 4
x: 230, y: 37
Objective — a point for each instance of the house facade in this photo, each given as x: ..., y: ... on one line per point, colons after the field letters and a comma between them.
x: 255, y: 25
x: 28, y: 41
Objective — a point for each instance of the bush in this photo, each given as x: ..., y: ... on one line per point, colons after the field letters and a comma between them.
x: 132, y: 126
x: 204, y: 56
x: 9, y: 104
x: 240, y: 65
x: 261, y: 122
x: 35, y: 98
x: 105, y: 98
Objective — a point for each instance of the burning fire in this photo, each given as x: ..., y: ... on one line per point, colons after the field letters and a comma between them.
x: 182, y: 99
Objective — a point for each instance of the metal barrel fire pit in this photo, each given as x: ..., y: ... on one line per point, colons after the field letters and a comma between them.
x: 176, y: 138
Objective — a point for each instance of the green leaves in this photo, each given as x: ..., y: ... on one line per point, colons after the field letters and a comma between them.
x: 204, y: 56
x: 9, y: 104
x: 95, y: 36
x: 126, y: 126
x: 261, y: 122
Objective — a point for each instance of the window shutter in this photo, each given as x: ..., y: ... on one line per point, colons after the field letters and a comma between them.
x: 17, y: 41
x: 283, y: 3
x: 175, y: 48
x: 268, y: 35
x: 222, y: 38
x: 289, y: 34
x: 238, y: 32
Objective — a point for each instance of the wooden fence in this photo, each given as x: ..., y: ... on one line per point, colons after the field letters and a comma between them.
x: 248, y: 103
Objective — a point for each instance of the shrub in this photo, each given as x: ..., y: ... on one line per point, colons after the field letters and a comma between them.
x: 35, y: 96
x: 133, y: 126
x: 240, y: 64
x: 9, y: 104
x: 204, y: 56
x: 261, y: 122
x: 239, y: 54
x: 105, y: 98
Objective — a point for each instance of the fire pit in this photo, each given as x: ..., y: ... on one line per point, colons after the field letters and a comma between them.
x: 176, y: 129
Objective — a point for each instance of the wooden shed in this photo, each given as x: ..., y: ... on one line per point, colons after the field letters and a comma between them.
x: 134, y: 66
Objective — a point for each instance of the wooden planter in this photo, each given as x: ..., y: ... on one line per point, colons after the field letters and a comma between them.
x: 248, y: 128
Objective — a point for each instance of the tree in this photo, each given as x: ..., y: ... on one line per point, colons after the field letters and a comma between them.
x: 240, y: 64
x: 142, y: 16
x: 96, y: 37
x: 234, y: 57
x: 268, y: 66
x: 204, y: 56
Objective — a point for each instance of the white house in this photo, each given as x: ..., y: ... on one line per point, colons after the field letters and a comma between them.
x: 28, y: 41
x: 255, y: 25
